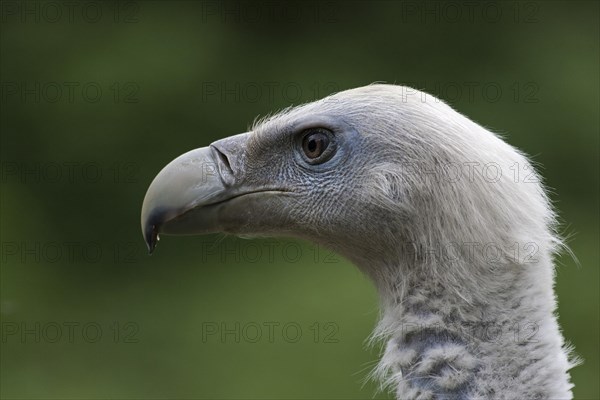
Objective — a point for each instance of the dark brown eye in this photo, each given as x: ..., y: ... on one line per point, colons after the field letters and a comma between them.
x: 314, y: 143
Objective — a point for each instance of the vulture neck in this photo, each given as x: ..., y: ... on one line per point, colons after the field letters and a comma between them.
x: 484, y: 337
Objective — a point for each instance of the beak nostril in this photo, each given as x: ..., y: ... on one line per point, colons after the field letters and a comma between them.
x: 224, y: 165
x: 224, y: 159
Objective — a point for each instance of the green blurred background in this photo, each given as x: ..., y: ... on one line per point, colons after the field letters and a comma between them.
x: 98, y: 96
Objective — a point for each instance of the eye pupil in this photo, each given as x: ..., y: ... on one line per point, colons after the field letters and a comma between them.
x: 315, y: 143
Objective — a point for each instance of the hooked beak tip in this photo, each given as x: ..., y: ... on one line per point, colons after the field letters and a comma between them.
x: 151, y: 238
x: 152, y: 226
x: 190, y: 181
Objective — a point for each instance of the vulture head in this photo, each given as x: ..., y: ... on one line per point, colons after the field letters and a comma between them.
x: 449, y: 221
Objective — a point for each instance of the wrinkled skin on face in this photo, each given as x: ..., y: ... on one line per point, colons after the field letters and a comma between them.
x: 261, y: 183
x: 361, y: 172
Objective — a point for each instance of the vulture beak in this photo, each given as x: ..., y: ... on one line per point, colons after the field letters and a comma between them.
x: 185, y: 196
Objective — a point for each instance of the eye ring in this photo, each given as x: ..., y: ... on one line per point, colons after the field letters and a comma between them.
x: 317, y: 145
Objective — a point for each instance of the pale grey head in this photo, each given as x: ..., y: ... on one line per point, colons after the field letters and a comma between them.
x: 414, y: 194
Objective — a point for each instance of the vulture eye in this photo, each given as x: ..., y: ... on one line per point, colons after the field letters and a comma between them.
x: 316, y: 145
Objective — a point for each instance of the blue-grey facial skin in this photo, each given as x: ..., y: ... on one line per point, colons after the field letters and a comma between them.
x: 273, y: 188
x: 262, y: 183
